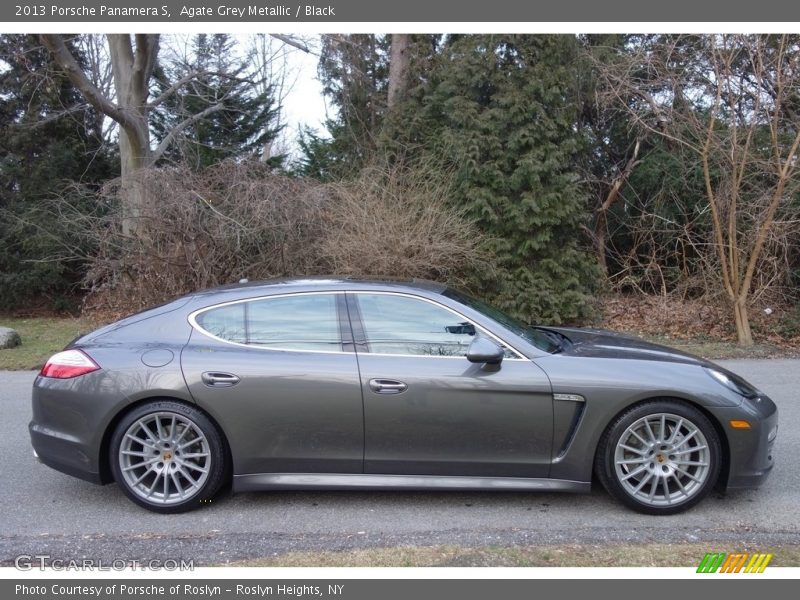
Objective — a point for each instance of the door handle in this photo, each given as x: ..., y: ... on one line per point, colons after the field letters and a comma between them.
x: 218, y: 379
x: 387, y: 386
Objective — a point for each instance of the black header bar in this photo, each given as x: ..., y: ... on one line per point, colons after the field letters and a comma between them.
x: 418, y: 11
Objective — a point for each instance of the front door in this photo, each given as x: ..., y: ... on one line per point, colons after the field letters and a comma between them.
x: 429, y: 411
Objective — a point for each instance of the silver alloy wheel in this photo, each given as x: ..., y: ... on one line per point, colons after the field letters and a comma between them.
x: 662, y: 459
x: 164, y: 458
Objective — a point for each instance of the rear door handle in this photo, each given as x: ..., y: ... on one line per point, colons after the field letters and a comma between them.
x: 218, y: 379
x: 387, y: 386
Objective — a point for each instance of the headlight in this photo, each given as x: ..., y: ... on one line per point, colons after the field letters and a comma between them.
x: 733, y: 383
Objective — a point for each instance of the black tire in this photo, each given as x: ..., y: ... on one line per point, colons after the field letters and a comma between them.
x: 203, y: 468
x: 678, y: 492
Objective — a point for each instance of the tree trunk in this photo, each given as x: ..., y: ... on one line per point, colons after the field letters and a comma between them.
x: 398, y: 67
x: 600, y: 233
x: 132, y: 157
x: 742, y: 321
x: 132, y: 70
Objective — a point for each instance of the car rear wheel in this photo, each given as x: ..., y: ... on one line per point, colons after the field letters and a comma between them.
x: 660, y: 457
x: 168, y: 457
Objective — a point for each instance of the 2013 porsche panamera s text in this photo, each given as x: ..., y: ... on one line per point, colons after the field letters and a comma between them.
x: 343, y: 384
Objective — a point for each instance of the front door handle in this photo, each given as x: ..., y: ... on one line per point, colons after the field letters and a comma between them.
x: 218, y: 379
x: 387, y: 386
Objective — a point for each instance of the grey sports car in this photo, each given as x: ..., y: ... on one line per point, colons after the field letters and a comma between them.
x: 347, y: 384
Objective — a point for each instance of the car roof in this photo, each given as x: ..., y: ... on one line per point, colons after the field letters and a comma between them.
x: 289, y: 284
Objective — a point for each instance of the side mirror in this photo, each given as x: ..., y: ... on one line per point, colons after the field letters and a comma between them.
x: 484, y: 350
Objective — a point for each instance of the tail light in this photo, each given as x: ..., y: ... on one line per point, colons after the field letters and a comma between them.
x: 68, y: 364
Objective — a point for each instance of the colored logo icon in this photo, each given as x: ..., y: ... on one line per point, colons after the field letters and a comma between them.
x: 720, y: 562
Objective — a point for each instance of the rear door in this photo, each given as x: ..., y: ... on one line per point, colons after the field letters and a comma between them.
x: 429, y: 411
x: 280, y: 376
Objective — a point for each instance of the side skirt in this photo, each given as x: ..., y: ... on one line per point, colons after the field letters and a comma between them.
x: 335, y: 481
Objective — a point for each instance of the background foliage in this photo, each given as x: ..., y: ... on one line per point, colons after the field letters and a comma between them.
x: 537, y: 171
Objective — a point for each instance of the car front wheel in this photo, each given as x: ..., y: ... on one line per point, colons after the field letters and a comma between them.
x: 660, y: 457
x: 168, y: 457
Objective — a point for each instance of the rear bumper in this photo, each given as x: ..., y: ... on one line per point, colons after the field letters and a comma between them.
x: 67, y: 424
x: 63, y: 454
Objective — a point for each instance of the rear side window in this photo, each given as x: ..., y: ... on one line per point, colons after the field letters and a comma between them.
x: 226, y: 322
x: 301, y: 322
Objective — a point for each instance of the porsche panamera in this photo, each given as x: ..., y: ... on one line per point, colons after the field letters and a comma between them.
x: 369, y: 384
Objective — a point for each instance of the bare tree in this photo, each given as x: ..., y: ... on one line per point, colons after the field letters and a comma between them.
x: 97, y: 62
x: 133, y: 60
x: 734, y: 101
x: 615, y: 186
x: 271, y: 58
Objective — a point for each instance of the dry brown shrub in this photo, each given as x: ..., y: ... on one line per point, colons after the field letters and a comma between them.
x: 697, y: 318
x: 235, y: 221
x: 666, y: 315
x: 387, y: 223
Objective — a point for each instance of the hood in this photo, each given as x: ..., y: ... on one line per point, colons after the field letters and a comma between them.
x: 599, y: 343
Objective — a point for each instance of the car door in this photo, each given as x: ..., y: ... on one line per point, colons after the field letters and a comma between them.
x: 428, y: 410
x: 280, y: 376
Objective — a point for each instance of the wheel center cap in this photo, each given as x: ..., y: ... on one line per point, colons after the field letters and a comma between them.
x: 167, y: 455
x: 660, y: 458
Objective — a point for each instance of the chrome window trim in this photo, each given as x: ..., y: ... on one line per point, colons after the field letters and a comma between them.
x: 520, y: 356
x: 196, y: 326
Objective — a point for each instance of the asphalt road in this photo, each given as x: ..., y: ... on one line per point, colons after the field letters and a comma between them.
x: 45, y: 512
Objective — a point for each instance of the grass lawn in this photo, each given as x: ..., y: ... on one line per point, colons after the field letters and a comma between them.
x: 41, y: 337
x: 574, y: 555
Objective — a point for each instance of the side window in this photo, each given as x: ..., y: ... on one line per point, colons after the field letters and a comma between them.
x: 226, y: 322
x: 403, y: 325
x: 300, y: 322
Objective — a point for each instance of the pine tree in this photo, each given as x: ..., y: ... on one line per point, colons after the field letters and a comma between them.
x: 48, y: 136
x: 354, y: 70
x: 503, y: 111
x: 243, y: 128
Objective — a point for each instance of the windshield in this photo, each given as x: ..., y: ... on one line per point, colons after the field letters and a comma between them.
x: 535, y: 336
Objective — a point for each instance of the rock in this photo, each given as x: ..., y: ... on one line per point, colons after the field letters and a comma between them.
x: 9, y: 338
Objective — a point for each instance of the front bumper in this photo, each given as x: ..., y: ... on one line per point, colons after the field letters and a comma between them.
x: 751, y: 451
